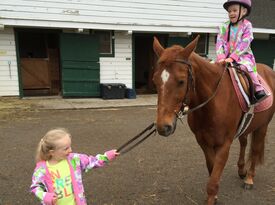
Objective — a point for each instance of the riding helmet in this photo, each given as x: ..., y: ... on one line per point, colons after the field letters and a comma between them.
x: 245, y: 3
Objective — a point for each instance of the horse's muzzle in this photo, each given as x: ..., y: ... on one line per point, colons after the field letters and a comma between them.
x: 166, y: 129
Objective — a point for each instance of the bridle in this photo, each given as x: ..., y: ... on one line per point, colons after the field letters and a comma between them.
x: 184, y: 109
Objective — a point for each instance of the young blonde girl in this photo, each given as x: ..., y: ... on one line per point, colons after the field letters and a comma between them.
x: 234, y: 39
x: 57, y: 178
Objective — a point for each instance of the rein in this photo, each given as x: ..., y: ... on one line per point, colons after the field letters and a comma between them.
x: 184, y: 110
x: 123, y: 148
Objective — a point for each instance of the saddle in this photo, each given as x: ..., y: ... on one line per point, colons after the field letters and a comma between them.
x: 244, y: 89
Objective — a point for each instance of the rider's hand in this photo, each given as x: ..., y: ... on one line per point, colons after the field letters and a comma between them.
x: 229, y: 60
x: 221, y: 62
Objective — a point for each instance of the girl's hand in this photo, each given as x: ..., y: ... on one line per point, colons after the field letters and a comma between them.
x: 50, y: 199
x: 117, y: 153
x: 111, y: 154
x: 229, y: 60
x: 221, y: 62
x: 55, y: 199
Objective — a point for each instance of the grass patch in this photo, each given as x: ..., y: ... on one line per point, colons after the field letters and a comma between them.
x: 12, y: 107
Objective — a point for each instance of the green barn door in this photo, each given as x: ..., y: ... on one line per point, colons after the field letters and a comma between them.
x: 264, y: 51
x: 80, y: 65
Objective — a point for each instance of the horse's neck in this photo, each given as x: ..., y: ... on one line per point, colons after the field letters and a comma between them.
x: 206, y: 76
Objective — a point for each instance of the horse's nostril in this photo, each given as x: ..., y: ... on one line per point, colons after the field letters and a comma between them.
x: 167, y: 129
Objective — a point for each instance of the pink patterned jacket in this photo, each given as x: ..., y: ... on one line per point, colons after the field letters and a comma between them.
x: 238, y: 48
x: 42, y: 185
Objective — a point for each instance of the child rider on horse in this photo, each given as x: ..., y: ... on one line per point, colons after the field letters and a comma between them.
x: 233, y: 42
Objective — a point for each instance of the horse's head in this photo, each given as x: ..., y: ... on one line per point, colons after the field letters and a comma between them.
x: 172, y: 79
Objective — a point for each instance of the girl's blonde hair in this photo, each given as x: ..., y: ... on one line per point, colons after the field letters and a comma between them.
x: 48, y: 142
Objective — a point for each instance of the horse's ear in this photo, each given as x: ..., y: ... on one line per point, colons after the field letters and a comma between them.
x: 190, y: 48
x: 157, y: 47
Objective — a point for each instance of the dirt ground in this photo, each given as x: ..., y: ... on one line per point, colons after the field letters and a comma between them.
x: 159, y: 171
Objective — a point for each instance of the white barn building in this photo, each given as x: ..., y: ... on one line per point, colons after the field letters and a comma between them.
x: 70, y: 47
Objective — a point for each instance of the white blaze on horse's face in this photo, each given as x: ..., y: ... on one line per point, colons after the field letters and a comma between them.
x: 164, y: 76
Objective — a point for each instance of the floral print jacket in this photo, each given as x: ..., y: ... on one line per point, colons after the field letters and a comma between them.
x: 238, y: 47
x: 42, y: 185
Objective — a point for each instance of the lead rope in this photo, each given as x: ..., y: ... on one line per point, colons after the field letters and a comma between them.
x: 124, y: 149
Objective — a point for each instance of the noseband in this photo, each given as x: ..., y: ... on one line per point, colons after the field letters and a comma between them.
x: 184, y: 110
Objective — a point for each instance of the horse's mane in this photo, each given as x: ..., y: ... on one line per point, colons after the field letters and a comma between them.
x: 172, y: 53
x: 206, y: 61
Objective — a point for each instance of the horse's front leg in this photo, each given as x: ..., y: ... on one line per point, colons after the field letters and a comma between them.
x: 209, y: 154
x: 241, y: 162
x: 221, y: 158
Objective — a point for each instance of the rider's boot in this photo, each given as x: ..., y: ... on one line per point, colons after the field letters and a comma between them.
x: 260, y: 93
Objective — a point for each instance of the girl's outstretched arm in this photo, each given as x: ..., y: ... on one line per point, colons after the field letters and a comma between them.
x: 88, y: 162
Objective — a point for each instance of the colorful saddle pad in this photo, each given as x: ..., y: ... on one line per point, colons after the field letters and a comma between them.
x: 264, y: 105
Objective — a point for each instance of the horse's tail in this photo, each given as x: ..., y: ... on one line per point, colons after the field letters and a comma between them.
x: 257, y: 147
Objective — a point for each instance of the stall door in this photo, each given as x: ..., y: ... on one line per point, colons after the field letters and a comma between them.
x: 264, y: 51
x: 79, y: 65
x: 182, y: 41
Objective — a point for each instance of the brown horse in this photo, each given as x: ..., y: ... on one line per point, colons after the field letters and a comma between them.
x: 183, y: 76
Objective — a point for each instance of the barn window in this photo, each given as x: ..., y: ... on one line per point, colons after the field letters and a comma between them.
x: 32, y: 45
x: 106, y: 43
x: 202, y: 46
x: 184, y: 40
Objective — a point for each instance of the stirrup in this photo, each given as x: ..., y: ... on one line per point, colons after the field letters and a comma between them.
x: 257, y: 101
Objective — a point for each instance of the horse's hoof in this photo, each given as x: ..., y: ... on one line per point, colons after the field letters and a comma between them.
x: 248, y: 186
x: 216, y: 200
x: 241, y: 175
x: 212, y: 202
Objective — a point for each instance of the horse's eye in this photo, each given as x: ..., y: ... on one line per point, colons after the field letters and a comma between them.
x: 181, y: 82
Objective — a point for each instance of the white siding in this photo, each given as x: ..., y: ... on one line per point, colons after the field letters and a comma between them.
x: 136, y: 15
x: 118, y: 69
x: 8, y: 64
